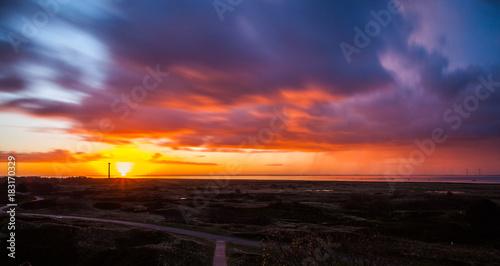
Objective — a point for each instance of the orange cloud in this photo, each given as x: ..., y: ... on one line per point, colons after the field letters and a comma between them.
x: 156, y: 159
x: 57, y: 155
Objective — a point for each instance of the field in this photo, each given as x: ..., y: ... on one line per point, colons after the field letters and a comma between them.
x: 347, y: 222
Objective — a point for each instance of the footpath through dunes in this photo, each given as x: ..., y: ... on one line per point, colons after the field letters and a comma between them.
x: 144, y: 225
x: 220, y: 249
x: 154, y: 226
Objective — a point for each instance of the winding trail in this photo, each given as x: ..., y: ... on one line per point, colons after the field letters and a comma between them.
x: 220, y: 248
x: 15, y: 205
x: 153, y: 226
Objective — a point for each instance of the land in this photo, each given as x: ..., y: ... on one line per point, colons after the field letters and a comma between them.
x: 346, y: 222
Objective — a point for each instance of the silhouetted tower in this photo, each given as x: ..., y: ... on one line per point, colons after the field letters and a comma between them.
x: 108, y: 170
x: 479, y: 171
x: 466, y: 171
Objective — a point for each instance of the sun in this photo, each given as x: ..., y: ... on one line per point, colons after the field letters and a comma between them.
x: 124, y: 167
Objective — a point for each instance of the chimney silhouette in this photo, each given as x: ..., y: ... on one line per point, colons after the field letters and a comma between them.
x: 108, y: 170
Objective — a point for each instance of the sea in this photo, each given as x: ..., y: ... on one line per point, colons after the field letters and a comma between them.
x: 493, y: 179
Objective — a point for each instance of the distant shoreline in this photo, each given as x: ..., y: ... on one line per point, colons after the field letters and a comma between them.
x: 484, y: 179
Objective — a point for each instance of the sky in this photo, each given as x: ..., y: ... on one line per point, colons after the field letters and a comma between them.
x: 239, y: 87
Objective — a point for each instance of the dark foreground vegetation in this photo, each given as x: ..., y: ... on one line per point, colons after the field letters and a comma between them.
x: 299, y: 223
x: 46, y: 241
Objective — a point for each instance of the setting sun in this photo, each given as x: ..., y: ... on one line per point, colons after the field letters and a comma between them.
x: 124, y: 167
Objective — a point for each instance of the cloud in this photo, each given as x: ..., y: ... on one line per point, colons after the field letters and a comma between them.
x: 11, y: 84
x: 225, y: 78
x: 156, y: 159
x: 58, y: 155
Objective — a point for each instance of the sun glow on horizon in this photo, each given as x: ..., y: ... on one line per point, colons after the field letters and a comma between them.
x: 124, y: 167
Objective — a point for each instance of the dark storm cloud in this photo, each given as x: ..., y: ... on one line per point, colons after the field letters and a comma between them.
x: 276, y: 44
x: 11, y: 84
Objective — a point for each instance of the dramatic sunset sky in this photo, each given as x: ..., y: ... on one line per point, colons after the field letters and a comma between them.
x: 251, y: 87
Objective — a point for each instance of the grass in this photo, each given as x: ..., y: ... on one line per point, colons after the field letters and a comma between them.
x: 46, y: 241
x: 243, y: 255
x: 416, y: 216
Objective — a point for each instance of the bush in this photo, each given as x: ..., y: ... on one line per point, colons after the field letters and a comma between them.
x: 338, y: 249
x: 483, y: 213
x: 43, y: 241
x: 107, y: 205
x: 242, y: 255
x: 48, y: 203
x: 77, y: 194
x: 22, y: 188
x: 366, y: 202
x: 41, y: 188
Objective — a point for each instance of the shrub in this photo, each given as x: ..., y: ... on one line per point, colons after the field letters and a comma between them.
x: 41, y: 188
x: 366, y: 202
x: 338, y: 249
x: 38, y: 204
x: 483, y: 213
x: 22, y: 188
x: 107, y: 205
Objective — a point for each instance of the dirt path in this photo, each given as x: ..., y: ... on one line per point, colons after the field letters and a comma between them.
x: 220, y: 254
x: 220, y: 247
x: 6, y: 206
x: 152, y: 226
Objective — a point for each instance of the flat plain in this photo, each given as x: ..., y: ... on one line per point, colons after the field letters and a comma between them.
x: 351, y: 223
